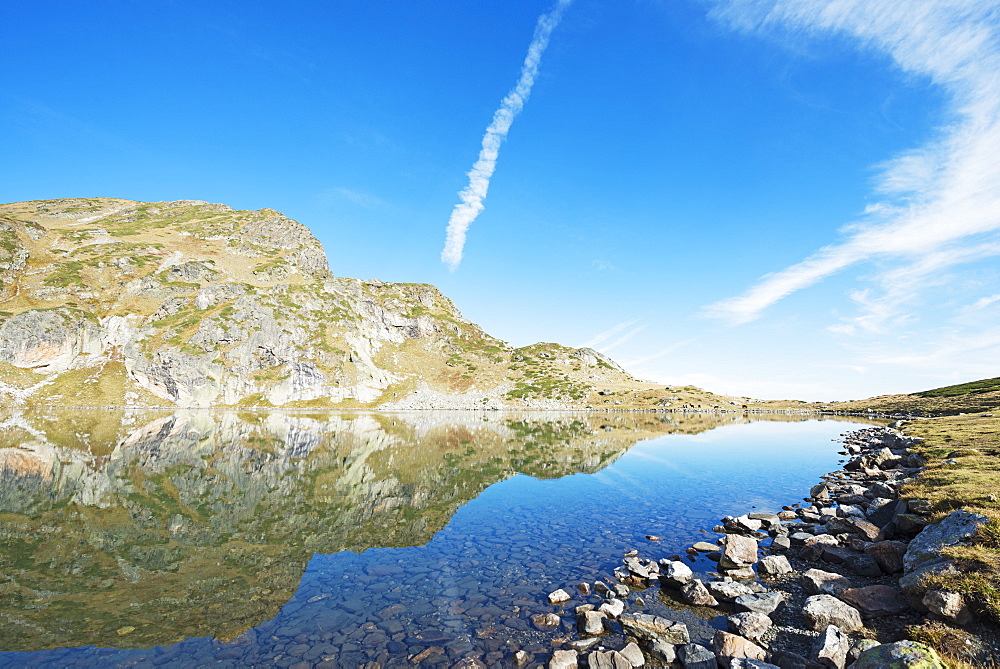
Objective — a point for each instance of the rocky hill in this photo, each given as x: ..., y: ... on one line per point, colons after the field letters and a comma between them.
x: 108, y: 302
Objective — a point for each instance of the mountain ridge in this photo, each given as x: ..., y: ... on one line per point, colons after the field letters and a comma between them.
x: 124, y: 303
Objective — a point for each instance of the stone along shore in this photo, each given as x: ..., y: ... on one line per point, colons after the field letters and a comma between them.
x: 828, y: 584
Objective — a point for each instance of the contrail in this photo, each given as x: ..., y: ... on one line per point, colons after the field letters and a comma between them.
x: 472, y: 196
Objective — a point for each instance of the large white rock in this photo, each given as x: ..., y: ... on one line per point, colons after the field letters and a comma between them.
x: 738, y: 551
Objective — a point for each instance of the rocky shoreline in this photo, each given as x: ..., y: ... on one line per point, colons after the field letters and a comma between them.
x: 828, y: 584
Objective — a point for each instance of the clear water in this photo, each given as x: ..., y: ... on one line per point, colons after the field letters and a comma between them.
x: 338, y: 540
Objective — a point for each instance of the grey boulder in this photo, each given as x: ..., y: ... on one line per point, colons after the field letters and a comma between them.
x: 819, y: 582
x: 821, y: 611
x: 655, y: 628
x: 693, y: 656
x: 831, y: 647
x: 765, y: 603
x: 955, y: 528
x: 749, y: 624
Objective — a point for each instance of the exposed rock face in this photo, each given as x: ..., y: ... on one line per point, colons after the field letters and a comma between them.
x: 49, y: 340
x: 595, y: 358
x: 13, y: 256
x: 115, y: 302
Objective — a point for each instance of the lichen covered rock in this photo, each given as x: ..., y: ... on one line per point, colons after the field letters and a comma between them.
x: 900, y: 655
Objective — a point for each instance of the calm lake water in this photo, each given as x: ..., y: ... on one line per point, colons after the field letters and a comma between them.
x: 294, y: 539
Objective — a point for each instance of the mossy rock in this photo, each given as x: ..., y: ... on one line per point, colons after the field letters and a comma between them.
x: 900, y: 655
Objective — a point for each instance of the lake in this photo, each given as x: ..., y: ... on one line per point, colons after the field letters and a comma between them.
x: 342, y: 539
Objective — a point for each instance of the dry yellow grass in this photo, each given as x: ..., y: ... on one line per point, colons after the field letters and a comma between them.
x: 963, y: 472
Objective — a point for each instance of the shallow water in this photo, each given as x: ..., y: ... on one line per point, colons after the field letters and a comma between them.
x: 335, y: 539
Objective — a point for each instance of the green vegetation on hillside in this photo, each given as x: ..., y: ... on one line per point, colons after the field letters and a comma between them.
x: 974, y: 397
x: 982, y: 386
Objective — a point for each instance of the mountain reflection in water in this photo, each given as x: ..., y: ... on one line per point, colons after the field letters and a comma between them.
x: 136, y: 529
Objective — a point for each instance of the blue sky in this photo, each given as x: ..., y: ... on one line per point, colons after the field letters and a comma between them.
x: 773, y: 198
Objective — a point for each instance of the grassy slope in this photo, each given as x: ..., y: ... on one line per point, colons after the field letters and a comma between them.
x: 976, y: 396
x: 960, y: 428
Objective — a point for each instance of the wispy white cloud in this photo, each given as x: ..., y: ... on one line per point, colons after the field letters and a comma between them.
x: 983, y: 302
x: 473, y: 195
x: 875, y: 314
x: 610, y: 332
x: 941, y: 201
x: 965, y: 352
x: 904, y: 284
x: 358, y: 197
x: 622, y: 339
x: 659, y: 354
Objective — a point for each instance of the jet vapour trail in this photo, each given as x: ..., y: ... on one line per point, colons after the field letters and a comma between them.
x: 472, y: 196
